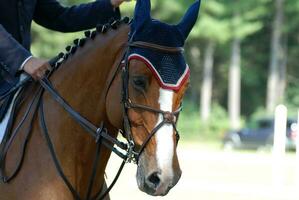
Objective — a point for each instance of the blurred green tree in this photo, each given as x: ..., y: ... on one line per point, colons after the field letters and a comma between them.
x: 47, y: 43
x: 229, y: 34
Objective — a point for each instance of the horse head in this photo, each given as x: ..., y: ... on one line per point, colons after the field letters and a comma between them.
x: 154, y: 79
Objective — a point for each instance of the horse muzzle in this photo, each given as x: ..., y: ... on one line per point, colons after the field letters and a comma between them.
x: 154, y: 181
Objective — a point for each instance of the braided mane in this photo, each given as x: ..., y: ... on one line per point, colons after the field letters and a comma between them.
x: 90, y: 34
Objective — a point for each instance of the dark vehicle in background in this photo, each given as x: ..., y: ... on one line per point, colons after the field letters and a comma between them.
x: 259, y: 134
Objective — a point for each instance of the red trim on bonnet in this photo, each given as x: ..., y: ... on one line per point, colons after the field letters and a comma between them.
x: 175, y: 87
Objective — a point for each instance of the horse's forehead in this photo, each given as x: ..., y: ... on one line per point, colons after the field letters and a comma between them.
x: 170, y: 70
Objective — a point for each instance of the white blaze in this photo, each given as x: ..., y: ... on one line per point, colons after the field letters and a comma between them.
x: 164, y: 136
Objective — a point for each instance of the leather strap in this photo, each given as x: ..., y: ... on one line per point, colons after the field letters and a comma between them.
x: 157, y: 47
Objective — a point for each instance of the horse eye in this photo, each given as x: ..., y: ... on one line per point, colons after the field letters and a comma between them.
x: 140, y: 82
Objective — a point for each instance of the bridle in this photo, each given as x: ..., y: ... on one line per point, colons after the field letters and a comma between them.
x: 168, y: 117
x: 128, y: 152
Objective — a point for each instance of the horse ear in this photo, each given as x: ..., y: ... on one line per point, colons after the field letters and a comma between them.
x: 188, y: 21
x: 142, y: 13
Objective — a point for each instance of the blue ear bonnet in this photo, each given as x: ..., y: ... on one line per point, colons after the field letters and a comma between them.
x: 159, y: 33
x: 170, y: 69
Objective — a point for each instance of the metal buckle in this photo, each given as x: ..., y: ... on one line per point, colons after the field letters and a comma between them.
x: 4, y: 179
x: 128, y: 103
x: 169, y: 117
x: 99, y: 131
x: 131, y: 155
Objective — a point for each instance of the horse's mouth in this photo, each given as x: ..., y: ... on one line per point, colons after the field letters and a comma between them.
x: 155, y: 184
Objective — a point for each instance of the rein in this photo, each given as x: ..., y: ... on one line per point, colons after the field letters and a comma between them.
x: 99, y: 133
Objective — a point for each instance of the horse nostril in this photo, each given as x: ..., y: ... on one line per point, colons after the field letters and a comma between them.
x: 153, y: 180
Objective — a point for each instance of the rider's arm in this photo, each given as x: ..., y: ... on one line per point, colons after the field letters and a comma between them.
x: 12, y: 54
x: 51, y: 14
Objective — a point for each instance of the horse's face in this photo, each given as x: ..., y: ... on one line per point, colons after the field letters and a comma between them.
x: 158, y: 78
x: 158, y: 167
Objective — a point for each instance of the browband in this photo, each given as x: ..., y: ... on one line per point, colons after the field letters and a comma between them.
x: 156, y: 47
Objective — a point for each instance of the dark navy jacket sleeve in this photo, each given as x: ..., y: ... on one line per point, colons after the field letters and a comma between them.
x: 51, y: 14
x: 12, y: 53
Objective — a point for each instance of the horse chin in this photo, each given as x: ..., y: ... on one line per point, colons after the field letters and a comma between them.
x: 152, y: 181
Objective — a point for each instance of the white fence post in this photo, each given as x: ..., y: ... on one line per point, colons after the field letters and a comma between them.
x: 279, y: 144
x: 297, y: 138
x: 280, y: 128
x: 297, y: 152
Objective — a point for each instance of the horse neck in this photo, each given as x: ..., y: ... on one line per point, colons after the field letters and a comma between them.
x: 82, y: 80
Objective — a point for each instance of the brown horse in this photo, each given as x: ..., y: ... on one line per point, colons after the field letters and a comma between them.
x: 126, y: 96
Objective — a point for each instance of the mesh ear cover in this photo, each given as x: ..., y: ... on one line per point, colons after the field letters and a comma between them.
x: 170, y: 69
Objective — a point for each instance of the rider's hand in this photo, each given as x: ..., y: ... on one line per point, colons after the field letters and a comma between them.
x: 36, y: 67
x: 116, y: 3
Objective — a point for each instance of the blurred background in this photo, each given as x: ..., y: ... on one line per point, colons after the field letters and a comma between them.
x: 243, y: 56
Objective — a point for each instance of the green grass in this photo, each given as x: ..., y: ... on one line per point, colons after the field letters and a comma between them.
x: 189, y: 126
x: 193, y: 129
